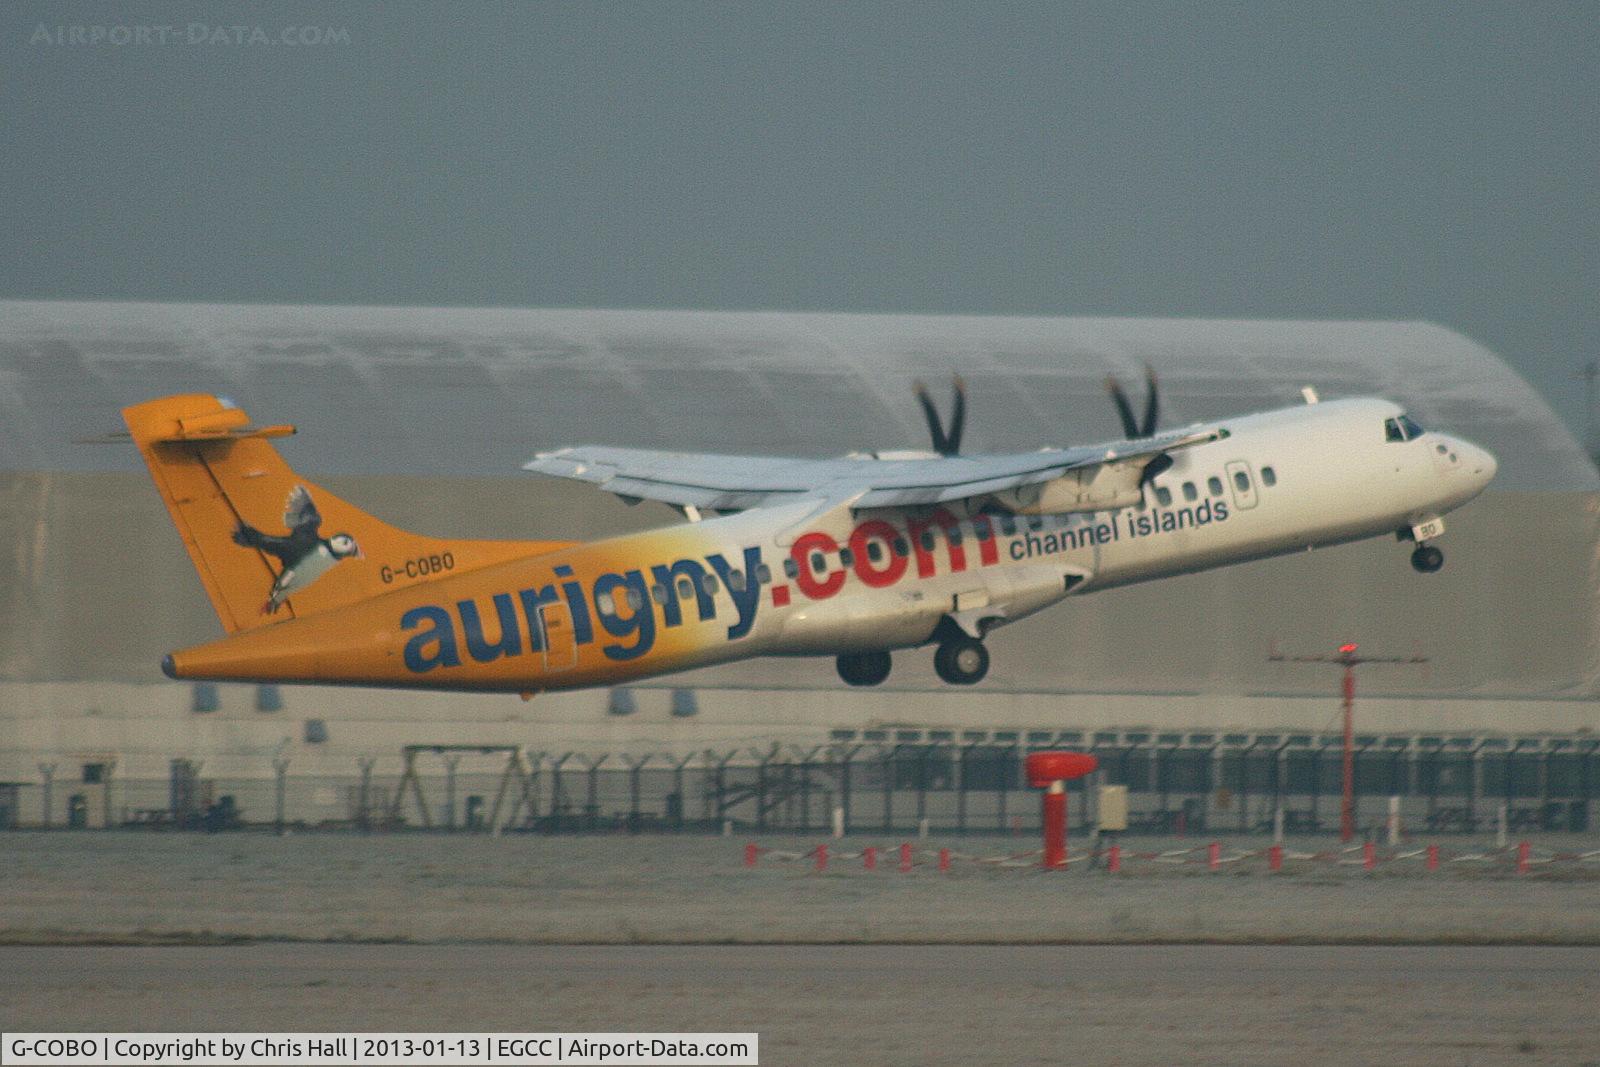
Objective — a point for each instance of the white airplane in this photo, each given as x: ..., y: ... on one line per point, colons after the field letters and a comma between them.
x: 855, y: 558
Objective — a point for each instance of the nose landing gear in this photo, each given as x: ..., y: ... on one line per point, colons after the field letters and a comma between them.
x: 961, y: 660
x: 1427, y: 559
x: 863, y: 668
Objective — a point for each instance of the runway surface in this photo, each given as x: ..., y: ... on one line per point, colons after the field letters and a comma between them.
x: 874, y: 1004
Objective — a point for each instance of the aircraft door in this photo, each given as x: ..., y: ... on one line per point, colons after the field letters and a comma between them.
x: 1242, y: 481
x: 560, y: 644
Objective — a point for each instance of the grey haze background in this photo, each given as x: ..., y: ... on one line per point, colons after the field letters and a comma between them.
x: 1279, y: 160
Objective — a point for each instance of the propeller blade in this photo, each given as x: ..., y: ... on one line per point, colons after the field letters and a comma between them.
x: 1134, y: 428
x: 931, y: 413
x: 1155, y: 469
x: 1152, y: 403
x: 958, y: 418
x: 945, y: 442
x: 1130, y: 425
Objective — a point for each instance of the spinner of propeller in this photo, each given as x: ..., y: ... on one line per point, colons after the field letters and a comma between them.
x: 947, y: 441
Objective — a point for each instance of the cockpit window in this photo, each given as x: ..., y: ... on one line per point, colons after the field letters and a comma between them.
x: 1401, y: 428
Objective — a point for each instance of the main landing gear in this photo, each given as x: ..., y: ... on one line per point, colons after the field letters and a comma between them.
x: 1427, y: 559
x: 961, y: 660
x: 863, y: 668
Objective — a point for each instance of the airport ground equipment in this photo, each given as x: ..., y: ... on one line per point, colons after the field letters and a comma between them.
x: 1051, y: 771
x: 1348, y: 659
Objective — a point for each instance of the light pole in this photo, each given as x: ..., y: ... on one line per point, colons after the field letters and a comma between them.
x: 1348, y: 659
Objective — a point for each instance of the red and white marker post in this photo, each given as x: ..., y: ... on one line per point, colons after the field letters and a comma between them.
x: 1051, y: 771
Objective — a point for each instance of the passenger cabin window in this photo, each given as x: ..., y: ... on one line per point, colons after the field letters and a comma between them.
x: 659, y: 594
x: 763, y: 574
x: 635, y: 599
x: 817, y: 562
x: 902, y: 547
x: 980, y: 530
x: 875, y: 551
x: 1215, y: 485
x: 1163, y: 495
x: 1269, y: 477
x: 791, y: 568
x: 1008, y: 525
x: 1190, y: 493
x: 685, y: 589
x: 708, y: 582
x: 954, y: 534
x: 736, y: 581
x: 1242, y: 481
x: 927, y: 540
x: 847, y: 558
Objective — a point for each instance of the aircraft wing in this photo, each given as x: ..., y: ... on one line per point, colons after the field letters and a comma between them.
x: 1083, y: 478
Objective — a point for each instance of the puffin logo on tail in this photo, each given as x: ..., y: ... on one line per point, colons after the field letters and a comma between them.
x: 305, y: 554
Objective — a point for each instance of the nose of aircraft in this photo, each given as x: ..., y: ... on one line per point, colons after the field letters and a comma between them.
x: 1480, y: 463
x: 1477, y: 465
x: 1484, y: 464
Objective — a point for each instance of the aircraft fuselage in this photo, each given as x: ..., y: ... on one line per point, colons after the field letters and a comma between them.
x: 790, y: 580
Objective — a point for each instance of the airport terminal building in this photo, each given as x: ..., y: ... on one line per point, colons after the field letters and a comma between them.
x: 423, y: 416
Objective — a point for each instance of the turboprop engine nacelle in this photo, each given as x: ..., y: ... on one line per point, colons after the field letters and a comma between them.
x: 1098, y: 488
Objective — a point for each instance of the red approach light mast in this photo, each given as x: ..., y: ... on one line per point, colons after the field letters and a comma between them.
x: 1349, y: 659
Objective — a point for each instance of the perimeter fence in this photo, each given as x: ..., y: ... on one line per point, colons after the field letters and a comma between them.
x: 946, y: 787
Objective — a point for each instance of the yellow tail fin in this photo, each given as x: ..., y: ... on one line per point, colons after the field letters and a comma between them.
x: 269, y: 544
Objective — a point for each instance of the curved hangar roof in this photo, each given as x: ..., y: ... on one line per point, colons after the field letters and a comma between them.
x: 458, y: 391
x: 424, y: 402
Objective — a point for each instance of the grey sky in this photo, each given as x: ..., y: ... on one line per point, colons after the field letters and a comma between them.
x: 1276, y: 160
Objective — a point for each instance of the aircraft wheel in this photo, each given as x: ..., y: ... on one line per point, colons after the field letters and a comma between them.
x: 864, y: 668
x: 1427, y: 559
x: 962, y: 661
